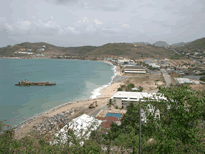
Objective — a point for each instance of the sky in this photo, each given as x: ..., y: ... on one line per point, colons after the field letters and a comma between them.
x: 97, y: 22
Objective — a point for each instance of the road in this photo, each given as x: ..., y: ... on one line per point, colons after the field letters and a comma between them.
x: 176, y: 52
x: 166, y: 77
x: 97, y: 110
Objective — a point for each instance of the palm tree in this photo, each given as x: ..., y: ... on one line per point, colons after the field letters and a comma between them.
x: 110, y: 104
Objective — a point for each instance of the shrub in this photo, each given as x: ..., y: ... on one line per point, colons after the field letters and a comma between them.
x: 119, y: 89
x: 202, y: 78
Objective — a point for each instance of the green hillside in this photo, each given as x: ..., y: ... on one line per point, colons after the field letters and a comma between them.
x: 197, y: 44
x: 128, y: 50
x: 160, y: 43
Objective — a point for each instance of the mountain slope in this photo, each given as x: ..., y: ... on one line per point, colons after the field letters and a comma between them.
x: 197, y: 44
x: 160, y: 43
x: 128, y: 50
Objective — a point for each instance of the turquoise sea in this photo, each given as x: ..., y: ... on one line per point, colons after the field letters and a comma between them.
x: 75, y: 79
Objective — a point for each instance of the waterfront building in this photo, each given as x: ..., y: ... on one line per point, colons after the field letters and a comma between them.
x: 122, y: 99
x: 134, y: 69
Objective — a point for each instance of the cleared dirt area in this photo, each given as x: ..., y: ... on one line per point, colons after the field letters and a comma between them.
x: 148, y: 82
x: 198, y: 87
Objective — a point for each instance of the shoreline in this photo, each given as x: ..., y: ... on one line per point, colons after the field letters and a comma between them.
x: 102, y: 93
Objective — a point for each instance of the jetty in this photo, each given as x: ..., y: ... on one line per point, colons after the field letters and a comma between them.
x: 27, y: 83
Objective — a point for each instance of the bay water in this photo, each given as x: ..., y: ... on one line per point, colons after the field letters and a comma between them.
x: 75, y: 80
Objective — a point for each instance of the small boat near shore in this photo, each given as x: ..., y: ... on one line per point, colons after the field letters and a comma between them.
x: 27, y: 83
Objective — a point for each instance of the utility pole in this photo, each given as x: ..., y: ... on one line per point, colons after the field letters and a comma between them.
x: 139, y: 126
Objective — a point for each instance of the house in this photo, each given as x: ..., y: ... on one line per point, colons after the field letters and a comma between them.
x: 184, y: 80
x: 153, y: 65
x: 29, y: 50
x: 163, y: 61
x: 123, y: 62
x: 122, y: 99
x: 134, y: 69
x: 196, y: 53
x: 42, y: 49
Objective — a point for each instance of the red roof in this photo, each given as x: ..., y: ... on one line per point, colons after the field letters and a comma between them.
x: 106, y: 124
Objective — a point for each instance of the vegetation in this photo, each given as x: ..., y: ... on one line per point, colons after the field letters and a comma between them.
x: 177, y: 57
x: 202, y: 78
x: 179, y: 129
x: 110, y: 49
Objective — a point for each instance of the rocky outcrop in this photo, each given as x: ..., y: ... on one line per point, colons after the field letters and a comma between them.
x: 56, y: 122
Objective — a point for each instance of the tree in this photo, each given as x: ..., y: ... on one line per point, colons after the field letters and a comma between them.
x: 177, y: 130
x: 202, y: 78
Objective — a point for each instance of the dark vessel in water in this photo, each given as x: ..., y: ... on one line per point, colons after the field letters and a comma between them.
x: 27, y: 83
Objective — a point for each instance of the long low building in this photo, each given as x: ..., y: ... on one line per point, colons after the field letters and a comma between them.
x: 134, y: 69
x: 122, y: 99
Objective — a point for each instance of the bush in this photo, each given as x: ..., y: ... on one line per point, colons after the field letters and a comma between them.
x: 140, y: 89
x: 119, y: 89
x: 202, y: 78
x: 131, y: 85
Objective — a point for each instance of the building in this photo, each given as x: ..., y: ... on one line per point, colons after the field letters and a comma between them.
x: 163, y: 61
x: 42, y: 49
x: 122, y: 99
x: 134, y: 69
x: 123, y: 62
x: 153, y: 65
x: 81, y: 126
x: 184, y: 80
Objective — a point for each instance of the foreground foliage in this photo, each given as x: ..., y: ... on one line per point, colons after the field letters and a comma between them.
x: 178, y: 130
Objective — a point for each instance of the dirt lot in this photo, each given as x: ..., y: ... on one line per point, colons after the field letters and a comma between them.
x: 198, y: 87
x: 148, y: 82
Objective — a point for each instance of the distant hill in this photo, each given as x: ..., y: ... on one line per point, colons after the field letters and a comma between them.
x: 160, y: 43
x: 197, y: 44
x: 175, y: 45
x: 128, y: 50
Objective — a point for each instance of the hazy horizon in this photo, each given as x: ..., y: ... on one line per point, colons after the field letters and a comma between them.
x: 88, y: 22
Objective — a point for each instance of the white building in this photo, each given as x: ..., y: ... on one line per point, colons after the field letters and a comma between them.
x: 121, y: 99
x: 81, y: 126
x: 42, y: 49
x: 153, y: 65
x: 184, y: 80
x: 134, y: 69
x: 123, y: 62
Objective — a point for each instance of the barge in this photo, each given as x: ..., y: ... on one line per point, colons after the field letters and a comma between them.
x: 27, y: 83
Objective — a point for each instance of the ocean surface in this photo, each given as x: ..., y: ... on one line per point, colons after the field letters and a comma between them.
x: 75, y: 80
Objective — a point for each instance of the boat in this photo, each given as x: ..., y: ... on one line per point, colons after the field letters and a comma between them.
x: 27, y: 83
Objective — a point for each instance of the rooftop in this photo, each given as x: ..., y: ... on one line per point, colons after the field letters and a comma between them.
x: 136, y: 96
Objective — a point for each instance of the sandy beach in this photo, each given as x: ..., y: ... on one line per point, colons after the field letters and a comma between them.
x: 23, y: 129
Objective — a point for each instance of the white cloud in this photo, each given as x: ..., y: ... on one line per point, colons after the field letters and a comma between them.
x: 9, y: 27
x: 67, y: 30
x: 97, y: 22
x: 51, y: 17
x: 110, y: 29
x: 79, y: 21
x: 33, y: 17
x: 90, y: 28
x: 23, y: 25
x: 141, y: 31
x: 125, y: 25
x: 71, y: 28
x: 2, y: 19
x: 85, y: 19
x: 48, y: 24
